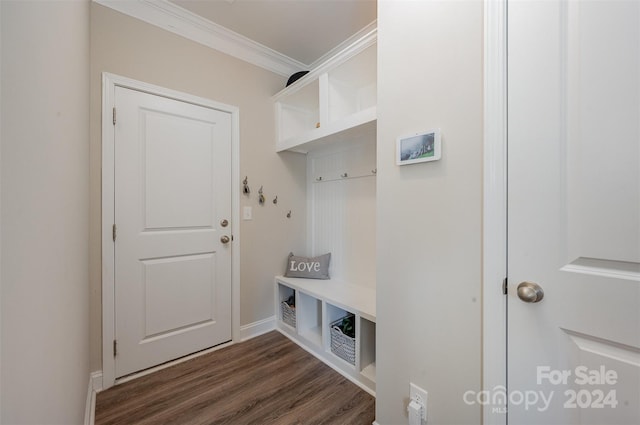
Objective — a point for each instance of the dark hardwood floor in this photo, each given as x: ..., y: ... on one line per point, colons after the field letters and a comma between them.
x: 266, y: 380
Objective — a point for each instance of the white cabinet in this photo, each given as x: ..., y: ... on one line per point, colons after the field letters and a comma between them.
x: 333, y: 103
x: 330, y: 114
x: 318, y: 304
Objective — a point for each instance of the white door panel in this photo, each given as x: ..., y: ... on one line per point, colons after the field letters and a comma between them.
x: 172, y: 189
x: 179, y: 172
x: 574, y: 210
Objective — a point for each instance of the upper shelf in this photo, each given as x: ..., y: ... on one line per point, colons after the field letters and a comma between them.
x: 333, y: 103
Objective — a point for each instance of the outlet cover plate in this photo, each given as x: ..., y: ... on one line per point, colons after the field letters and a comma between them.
x: 417, y: 393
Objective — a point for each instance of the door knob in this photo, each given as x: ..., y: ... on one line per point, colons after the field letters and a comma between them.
x: 224, y: 239
x: 530, y: 292
x: 224, y: 222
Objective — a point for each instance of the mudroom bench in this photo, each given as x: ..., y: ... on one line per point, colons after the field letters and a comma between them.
x: 318, y: 305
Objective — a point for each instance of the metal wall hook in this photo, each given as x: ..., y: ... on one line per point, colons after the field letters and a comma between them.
x: 344, y: 175
x: 374, y: 171
x: 275, y: 200
x: 245, y: 188
x: 289, y: 214
x: 319, y: 179
x: 260, y: 196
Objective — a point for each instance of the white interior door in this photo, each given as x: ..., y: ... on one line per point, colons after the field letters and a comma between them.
x: 574, y: 211
x: 172, y: 253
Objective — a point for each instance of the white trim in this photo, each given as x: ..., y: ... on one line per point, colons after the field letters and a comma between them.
x: 1, y: 224
x: 96, y: 380
x: 495, y: 203
x: 108, y: 218
x: 90, y: 406
x: 356, y: 38
x: 175, y: 19
x: 258, y: 328
x: 109, y: 82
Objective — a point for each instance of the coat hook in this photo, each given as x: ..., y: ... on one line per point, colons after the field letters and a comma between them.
x: 245, y: 188
x: 319, y: 179
x: 289, y: 214
x: 275, y: 200
x: 344, y: 175
x: 260, y: 196
x: 374, y: 171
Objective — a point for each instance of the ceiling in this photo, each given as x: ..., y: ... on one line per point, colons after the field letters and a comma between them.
x: 303, y: 30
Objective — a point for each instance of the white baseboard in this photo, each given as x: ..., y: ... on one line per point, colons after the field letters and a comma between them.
x: 95, y: 386
x: 96, y: 381
x: 255, y: 329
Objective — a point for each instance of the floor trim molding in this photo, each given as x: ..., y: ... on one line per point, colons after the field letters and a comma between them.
x: 258, y: 328
x: 90, y: 406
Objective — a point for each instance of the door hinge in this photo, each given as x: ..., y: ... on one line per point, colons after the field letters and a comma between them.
x: 114, y: 115
x: 113, y: 232
x: 115, y: 348
x: 504, y: 286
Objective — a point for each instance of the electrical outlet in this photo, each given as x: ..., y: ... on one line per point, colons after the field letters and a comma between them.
x: 420, y: 395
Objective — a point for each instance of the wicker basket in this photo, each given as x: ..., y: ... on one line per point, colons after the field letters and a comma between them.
x: 342, y: 345
x: 288, y: 314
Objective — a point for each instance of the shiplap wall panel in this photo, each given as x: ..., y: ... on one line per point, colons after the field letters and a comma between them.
x: 342, y: 211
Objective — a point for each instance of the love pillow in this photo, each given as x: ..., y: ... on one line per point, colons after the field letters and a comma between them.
x: 310, y: 268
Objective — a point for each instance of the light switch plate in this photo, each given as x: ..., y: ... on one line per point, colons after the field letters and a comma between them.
x: 247, y: 213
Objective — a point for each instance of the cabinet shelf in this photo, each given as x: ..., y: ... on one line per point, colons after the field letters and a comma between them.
x: 334, y: 104
x: 356, y: 126
x: 353, y: 298
x: 318, y: 304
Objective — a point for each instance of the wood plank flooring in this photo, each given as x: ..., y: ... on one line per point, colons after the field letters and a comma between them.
x: 266, y: 380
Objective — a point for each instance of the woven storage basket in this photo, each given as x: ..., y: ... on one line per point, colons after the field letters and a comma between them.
x: 288, y: 314
x: 342, y: 345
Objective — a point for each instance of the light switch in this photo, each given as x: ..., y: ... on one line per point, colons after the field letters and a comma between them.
x: 247, y: 213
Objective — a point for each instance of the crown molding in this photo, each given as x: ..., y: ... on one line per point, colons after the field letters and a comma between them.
x: 360, y: 40
x: 180, y: 21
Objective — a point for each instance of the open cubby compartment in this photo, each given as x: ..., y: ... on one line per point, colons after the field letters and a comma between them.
x: 298, y: 112
x: 367, y: 364
x: 310, y: 318
x: 352, y: 85
x: 284, y: 292
x: 333, y: 313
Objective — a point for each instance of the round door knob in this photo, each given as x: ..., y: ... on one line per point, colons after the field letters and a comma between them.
x: 530, y: 292
x: 224, y: 239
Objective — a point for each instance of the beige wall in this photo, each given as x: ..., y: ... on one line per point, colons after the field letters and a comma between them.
x: 45, y: 199
x: 429, y: 215
x: 133, y: 49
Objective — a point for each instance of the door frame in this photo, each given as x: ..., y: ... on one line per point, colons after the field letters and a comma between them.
x: 494, y: 316
x: 109, y: 83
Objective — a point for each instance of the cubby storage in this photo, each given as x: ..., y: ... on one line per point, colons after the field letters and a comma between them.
x: 310, y: 319
x: 367, y: 365
x: 319, y: 304
x: 299, y: 112
x: 287, y: 314
x: 333, y: 103
x: 330, y: 115
x: 352, y: 86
